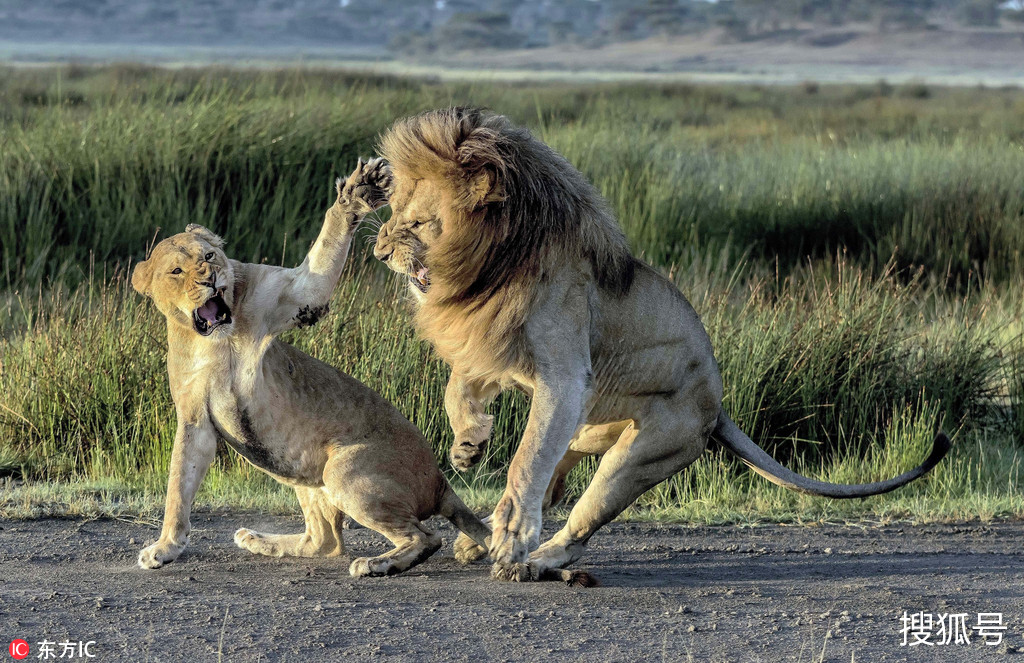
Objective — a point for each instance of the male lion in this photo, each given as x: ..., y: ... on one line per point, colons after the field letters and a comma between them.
x: 523, y: 278
x: 342, y: 447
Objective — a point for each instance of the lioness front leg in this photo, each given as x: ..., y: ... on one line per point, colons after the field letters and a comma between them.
x: 555, y: 415
x: 322, y: 537
x: 465, y: 402
x: 300, y: 297
x: 195, y: 445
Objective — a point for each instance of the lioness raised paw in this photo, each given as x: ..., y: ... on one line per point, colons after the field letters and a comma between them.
x: 367, y: 188
x: 156, y: 555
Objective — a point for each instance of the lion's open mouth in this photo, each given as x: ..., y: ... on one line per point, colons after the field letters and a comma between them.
x: 420, y: 279
x: 212, y: 314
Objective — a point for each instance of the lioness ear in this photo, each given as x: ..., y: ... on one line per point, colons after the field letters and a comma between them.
x: 142, y: 277
x: 212, y: 239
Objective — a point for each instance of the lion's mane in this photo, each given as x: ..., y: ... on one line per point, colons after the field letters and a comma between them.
x: 537, y: 214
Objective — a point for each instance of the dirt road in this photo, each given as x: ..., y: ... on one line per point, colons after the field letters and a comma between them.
x: 766, y: 593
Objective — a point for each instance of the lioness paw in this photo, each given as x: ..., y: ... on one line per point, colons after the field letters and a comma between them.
x: 372, y: 567
x: 367, y: 188
x: 158, y: 554
x: 244, y: 538
x: 468, y: 551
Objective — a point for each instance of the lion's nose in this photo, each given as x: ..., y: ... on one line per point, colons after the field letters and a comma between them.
x: 382, y: 253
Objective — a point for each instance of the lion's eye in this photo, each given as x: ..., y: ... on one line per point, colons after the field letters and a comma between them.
x: 176, y: 270
x: 209, y: 256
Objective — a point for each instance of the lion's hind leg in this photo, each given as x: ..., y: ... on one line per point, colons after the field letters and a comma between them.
x: 676, y: 434
x: 414, y: 543
x: 322, y: 537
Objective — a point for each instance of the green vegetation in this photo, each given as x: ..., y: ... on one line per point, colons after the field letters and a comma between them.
x: 855, y: 252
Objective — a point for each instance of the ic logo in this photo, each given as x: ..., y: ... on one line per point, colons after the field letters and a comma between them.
x: 18, y: 649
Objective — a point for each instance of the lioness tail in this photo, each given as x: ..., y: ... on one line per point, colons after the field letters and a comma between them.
x: 736, y: 441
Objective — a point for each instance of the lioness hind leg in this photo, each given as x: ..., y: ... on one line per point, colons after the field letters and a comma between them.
x: 413, y: 544
x: 675, y: 436
x: 322, y: 537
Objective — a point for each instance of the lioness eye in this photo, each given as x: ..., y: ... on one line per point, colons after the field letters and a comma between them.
x: 209, y: 256
x: 177, y: 270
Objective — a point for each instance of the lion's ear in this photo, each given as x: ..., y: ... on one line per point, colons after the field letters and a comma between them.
x: 213, y: 240
x: 142, y: 278
x: 485, y: 188
x: 481, y: 156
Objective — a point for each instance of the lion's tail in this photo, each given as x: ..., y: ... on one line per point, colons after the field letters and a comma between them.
x: 736, y: 441
x: 455, y: 510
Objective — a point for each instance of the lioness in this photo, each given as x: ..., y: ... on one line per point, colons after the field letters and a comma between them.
x: 342, y: 447
x: 524, y: 278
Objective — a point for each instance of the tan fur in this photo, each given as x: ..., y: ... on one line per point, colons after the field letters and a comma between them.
x: 342, y: 447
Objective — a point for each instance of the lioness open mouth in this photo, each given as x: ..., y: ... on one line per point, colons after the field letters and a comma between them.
x: 420, y: 279
x: 212, y: 314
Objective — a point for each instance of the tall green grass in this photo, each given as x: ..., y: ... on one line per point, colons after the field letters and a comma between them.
x: 855, y: 255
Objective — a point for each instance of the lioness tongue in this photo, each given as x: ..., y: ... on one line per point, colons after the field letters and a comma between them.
x: 208, y: 311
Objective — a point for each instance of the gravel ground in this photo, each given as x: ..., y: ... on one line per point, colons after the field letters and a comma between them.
x: 765, y: 593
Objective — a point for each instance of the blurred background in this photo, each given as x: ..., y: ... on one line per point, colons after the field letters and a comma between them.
x: 838, y: 188
x: 951, y: 40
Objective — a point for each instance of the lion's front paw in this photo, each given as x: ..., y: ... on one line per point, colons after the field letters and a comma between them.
x: 367, y: 188
x: 466, y: 454
x: 158, y: 554
x: 514, y: 572
x: 515, y: 531
x: 467, y: 550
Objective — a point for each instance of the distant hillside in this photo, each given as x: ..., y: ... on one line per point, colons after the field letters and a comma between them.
x: 427, y: 26
x: 791, y: 39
